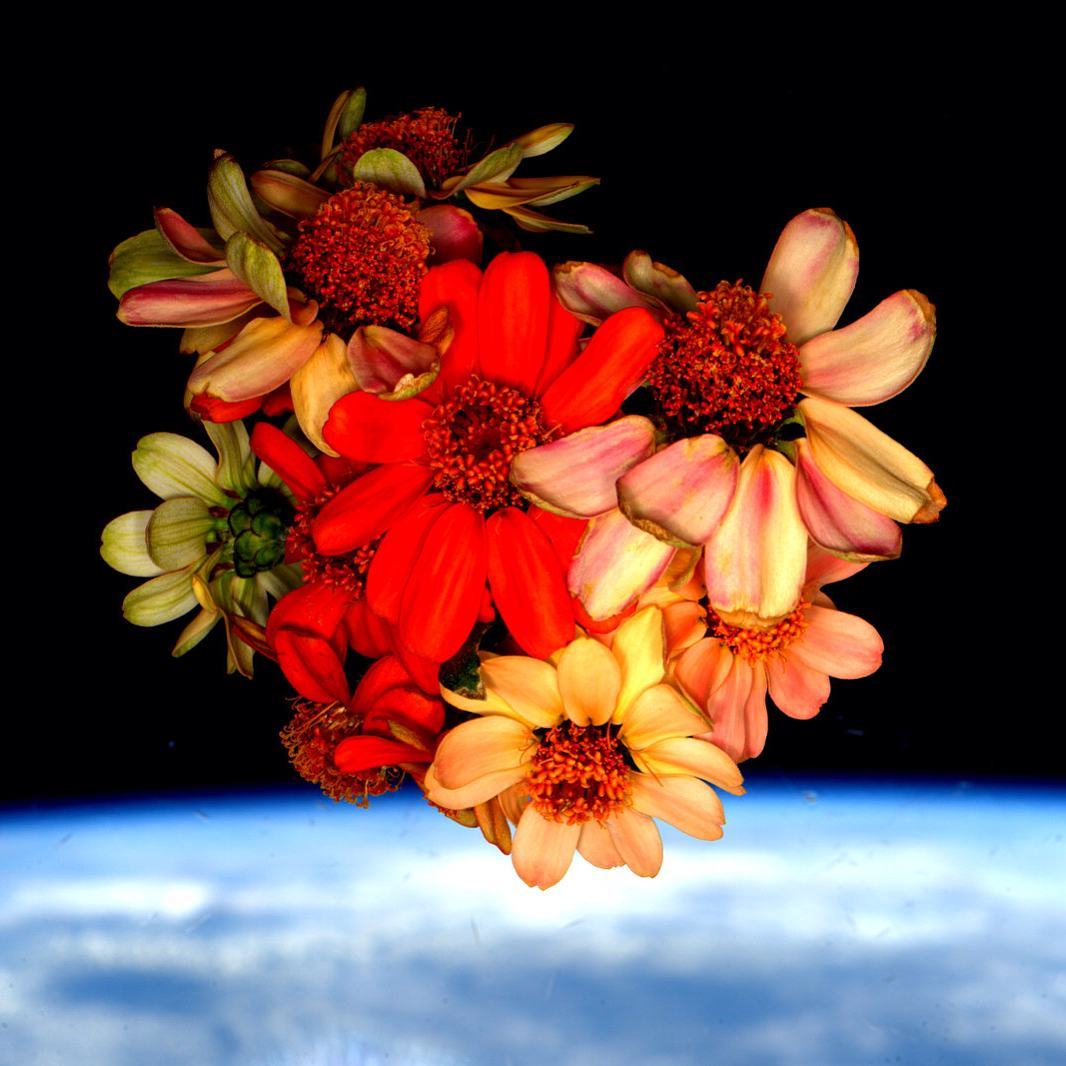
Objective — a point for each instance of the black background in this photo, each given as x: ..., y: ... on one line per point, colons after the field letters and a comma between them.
x: 704, y: 156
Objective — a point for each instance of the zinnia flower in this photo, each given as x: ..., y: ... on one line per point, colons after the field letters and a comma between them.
x: 747, y: 469
x: 458, y: 538
x: 216, y: 541
x: 730, y: 672
x: 583, y: 753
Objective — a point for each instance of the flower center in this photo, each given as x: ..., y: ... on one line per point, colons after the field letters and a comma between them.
x: 362, y: 256
x: 472, y: 438
x: 755, y: 644
x: 257, y: 525
x: 311, y: 738
x: 725, y: 368
x: 579, y: 774
x: 426, y: 137
x: 347, y: 572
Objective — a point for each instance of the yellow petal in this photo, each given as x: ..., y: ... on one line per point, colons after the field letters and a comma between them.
x: 481, y: 746
x: 528, y: 686
x: 685, y: 755
x: 638, y: 842
x: 543, y: 850
x: 638, y: 645
x: 660, y: 713
x: 318, y: 385
x: 684, y: 802
x: 589, y: 681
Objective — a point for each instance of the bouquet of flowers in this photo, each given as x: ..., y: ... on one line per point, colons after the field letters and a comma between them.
x: 543, y: 539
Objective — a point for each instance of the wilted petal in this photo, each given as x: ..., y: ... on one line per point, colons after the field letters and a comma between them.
x: 593, y: 293
x: 681, y: 493
x: 390, y: 364
x: 660, y: 282
x: 838, y: 522
x: 812, y: 272
x: 876, y: 357
x: 754, y: 563
x: 192, y: 244
x: 195, y: 632
x: 318, y: 385
x: 543, y: 139
x: 615, y: 564
x: 288, y: 193
x: 201, y: 300
x: 259, y: 268
x: 869, y: 465
x: 146, y: 258
x: 576, y: 475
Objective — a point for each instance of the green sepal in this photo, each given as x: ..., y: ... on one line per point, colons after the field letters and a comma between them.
x: 496, y: 166
x: 351, y: 114
x: 145, y: 258
x: 258, y: 267
x: 231, y: 206
x: 391, y: 170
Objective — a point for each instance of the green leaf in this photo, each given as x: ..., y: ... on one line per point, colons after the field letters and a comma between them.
x: 231, y: 206
x: 258, y: 267
x: 351, y: 115
x: 496, y: 166
x: 146, y: 258
x: 391, y: 170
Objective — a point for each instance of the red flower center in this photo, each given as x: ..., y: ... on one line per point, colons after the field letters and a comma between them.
x: 756, y: 644
x: 426, y: 137
x: 347, y: 572
x: 311, y: 738
x: 579, y: 774
x: 472, y: 438
x: 725, y: 368
x: 362, y: 256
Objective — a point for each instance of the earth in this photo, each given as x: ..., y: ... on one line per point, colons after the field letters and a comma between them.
x: 845, y: 922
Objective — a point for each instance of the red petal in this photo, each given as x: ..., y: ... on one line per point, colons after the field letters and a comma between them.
x: 424, y: 672
x: 391, y: 567
x: 312, y: 666
x: 454, y: 285
x: 593, y: 386
x: 371, y: 430
x: 200, y: 300
x: 387, y: 673
x: 527, y: 583
x: 453, y: 233
x: 563, y: 332
x: 408, y: 707
x: 288, y: 460
x: 278, y: 402
x: 441, y: 601
x: 513, y: 319
x: 368, y: 506
x: 311, y: 609
x: 368, y: 753
x: 368, y: 634
x: 564, y: 533
x: 186, y: 239
x: 212, y: 409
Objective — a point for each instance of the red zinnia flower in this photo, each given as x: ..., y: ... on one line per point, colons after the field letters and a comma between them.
x: 458, y: 537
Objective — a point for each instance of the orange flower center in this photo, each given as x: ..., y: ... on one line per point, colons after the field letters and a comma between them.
x: 755, y: 644
x: 579, y: 774
x: 472, y: 437
x: 725, y: 368
x: 311, y: 738
x: 426, y: 137
x: 362, y: 256
x: 347, y: 572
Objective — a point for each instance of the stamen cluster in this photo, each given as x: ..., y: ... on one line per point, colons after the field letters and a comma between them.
x: 579, y: 774
x: 347, y: 572
x: 725, y: 368
x: 362, y: 256
x: 472, y: 438
x: 756, y: 644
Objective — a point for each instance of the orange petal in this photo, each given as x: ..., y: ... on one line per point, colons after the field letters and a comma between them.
x: 684, y: 802
x: 589, y: 681
x: 481, y: 746
x: 637, y: 839
x: 543, y: 850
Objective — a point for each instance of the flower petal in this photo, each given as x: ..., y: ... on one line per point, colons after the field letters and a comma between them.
x: 563, y: 332
x: 455, y: 286
x: 354, y: 754
x: 681, y: 493
x: 288, y: 460
x: 543, y: 850
x: 311, y: 665
x: 440, y: 604
x: 482, y: 746
x: 318, y: 385
x: 596, y: 846
x: 530, y: 687
x: 684, y: 802
x: 839, y: 644
x: 172, y: 465
x: 838, y: 522
x: 659, y: 713
x: 192, y: 244
x: 615, y: 564
x: 589, y: 681
x: 869, y: 465
x: 480, y: 790
x: 527, y: 583
x: 593, y: 293
x: 687, y: 755
x: 703, y: 668
x: 367, y: 507
x: 797, y: 690
x: 124, y: 547
x: 177, y: 532
x: 199, y: 300
x: 638, y: 841
x: 576, y: 475
x: 737, y: 709
x: 264, y: 355
x: 591, y: 389
x: 453, y: 233
x: 876, y: 357
x: 162, y: 599
x: 367, y: 429
x: 392, y: 365
x: 754, y: 563
x: 812, y: 272
x: 638, y: 648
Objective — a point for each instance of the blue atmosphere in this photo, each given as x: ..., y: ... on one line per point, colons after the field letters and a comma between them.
x: 836, y: 923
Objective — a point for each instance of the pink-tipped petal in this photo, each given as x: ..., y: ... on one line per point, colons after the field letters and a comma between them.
x: 839, y: 644
x: 543, y: 849
x: 869, y: 465
x: 387, y: 363
x: 737, y: 709
x: 576, y: 475
x: 836, y: 521
x: 681, y: 493
x: 796, y: 689
x: 200, y: 300
x: 755, y: 561
x: 453, y: 233
x: 615, y: 564
x: 593, y: 293
x: 812, y: 272
x: 188, y: 241
x: 876, y: 357
x: 823, y: 568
